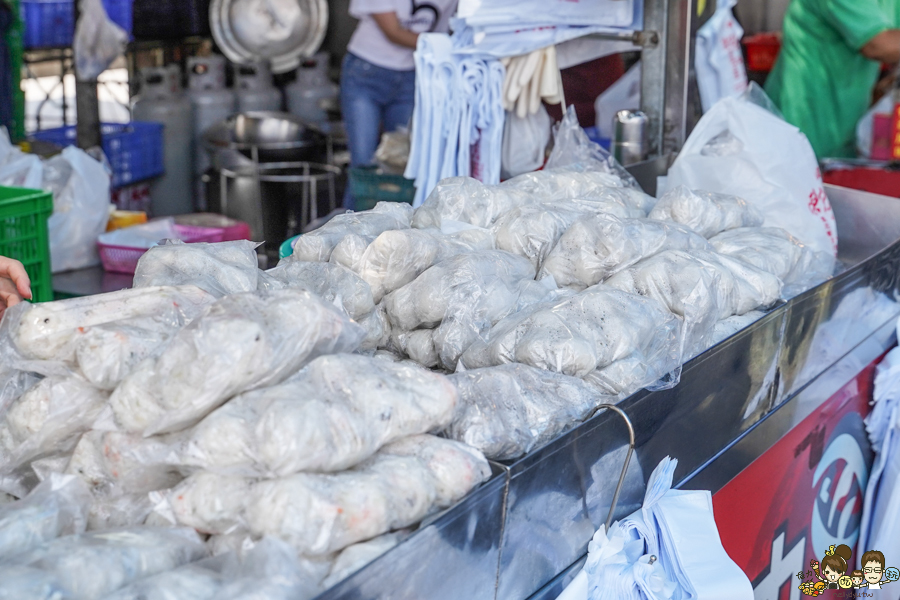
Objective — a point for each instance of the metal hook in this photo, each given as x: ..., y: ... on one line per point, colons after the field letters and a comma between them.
x: 615, y: 498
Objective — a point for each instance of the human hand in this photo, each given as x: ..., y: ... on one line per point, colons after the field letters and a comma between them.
x: 15, y: 285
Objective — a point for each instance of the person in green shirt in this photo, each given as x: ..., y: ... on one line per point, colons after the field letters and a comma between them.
x: 829, y: 65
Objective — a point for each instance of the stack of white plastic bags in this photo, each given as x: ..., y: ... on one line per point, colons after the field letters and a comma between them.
x: 510, y: 28
x: 669, y: 549
x: 457, y: 127
x: 881, y: 506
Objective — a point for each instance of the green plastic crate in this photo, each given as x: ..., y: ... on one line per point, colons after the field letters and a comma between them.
x: 23, y: 235
x: 370, y: 187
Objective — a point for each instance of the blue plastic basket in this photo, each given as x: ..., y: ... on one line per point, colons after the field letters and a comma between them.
x: 135, y: 150
x: 51, y: 23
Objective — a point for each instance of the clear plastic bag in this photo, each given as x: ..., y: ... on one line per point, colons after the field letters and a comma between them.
x: 396, y: 258
x: 509, y: 410
x: 597, y: 247
x: 353, y: 558
x: 115, y: 463
x: 705, y: 212
x: 58, y: 506
x: 33, y: 584
x: 775, y: 250
x: 427, y: 300
x: 331, y: 282
x: 378, y: 329
x: 201, y: 581
x: 46, y: 421
x: 574, y: 151
x: 318, y: 245
x: 243, y: 341
x: 461, y: 298
x: 726, y: 328
x: 220, y: 269
x: 50, y: 331
x: 418, y: 345
x: 585, y: 332
x: 92, y: 565
x: 107, y: 353
x: 14, y: 383
x: 467, y: 200
x: 703, y: 287
x: 271, y: 571
x: 335, y: 413
x: 348, y: 253
x: 321, y: 513
x: 533, y: 231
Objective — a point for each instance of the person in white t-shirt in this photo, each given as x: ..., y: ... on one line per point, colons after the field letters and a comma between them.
x: 378, y: 77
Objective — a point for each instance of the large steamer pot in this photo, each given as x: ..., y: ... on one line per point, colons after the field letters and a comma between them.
x: 265, y: 137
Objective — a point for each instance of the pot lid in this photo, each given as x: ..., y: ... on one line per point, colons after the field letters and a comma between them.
x: 280, y: 31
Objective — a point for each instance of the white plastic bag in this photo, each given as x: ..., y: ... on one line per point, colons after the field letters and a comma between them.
x: 524, y: 143
x: 741, y: 149
x: 80, y: 187
x: 98, y: 41
x: 719, y: 59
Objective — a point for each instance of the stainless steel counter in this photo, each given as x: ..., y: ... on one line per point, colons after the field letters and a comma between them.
x: 533, y: 520
x: 90, y: 281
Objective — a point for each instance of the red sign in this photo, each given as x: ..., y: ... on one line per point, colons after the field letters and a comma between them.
x: 803, y: 495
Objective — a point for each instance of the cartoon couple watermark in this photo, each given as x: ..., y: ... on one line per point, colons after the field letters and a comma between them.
x: 834, y: 572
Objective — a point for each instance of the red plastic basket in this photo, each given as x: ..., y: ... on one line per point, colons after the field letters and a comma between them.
x: 124, y: 259
x: 762, y: 51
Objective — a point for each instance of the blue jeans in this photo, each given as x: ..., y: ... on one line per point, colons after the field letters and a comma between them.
x: 373, y: 99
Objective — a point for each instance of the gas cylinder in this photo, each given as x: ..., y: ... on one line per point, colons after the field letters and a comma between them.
x: 313, y: 93
x: 254, y: 88
x: 212, y: 103
x: 162, y: 100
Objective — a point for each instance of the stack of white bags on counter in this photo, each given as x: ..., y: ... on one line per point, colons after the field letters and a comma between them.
x: 669, y: 549
x: 227, y: 416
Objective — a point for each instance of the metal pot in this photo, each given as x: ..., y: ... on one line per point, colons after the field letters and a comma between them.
x: 280, y: 31
x: 266, y: 137
x: 275, y: 199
